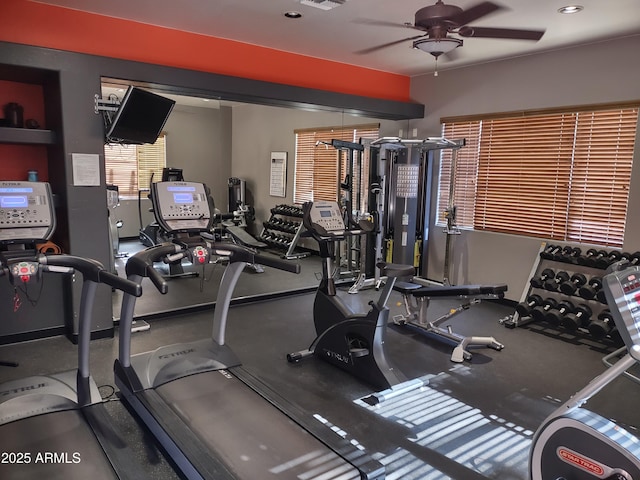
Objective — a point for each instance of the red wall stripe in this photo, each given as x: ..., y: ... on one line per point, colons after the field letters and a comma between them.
x: 30, y: 23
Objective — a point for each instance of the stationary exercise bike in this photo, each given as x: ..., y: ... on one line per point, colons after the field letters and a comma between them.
x: 354, y: 342
x: 576, y: 444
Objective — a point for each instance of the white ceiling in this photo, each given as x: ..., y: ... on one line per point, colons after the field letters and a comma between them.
x: 338, y: 34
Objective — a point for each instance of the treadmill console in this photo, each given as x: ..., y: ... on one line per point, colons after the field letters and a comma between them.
x: 26, y: 212
x: 328, y: 216
x: 622, y: 290
x: 181, y: 206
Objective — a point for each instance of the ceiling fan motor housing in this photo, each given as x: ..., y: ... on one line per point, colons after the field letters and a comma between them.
x: 438, y: 14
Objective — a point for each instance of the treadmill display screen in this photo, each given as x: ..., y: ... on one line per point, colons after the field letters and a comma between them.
x: 182, y: 198
x: 325, y: 213
x: 14, y: 201
x: 631, y: 289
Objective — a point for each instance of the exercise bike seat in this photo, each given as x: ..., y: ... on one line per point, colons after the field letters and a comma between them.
x: 395, y: 270
x: 460, y: 290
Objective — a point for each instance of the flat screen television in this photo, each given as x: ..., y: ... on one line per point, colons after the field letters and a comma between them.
x: 140, y: 117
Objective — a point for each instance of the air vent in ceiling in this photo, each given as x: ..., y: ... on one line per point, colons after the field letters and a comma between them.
x: 323, y: 4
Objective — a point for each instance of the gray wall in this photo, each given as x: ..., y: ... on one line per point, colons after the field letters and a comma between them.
x: 199, y: 142
x: 598, y: 73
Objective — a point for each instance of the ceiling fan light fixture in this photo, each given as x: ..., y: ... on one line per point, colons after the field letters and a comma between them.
x: 569, y: 9
x: 437, y: 46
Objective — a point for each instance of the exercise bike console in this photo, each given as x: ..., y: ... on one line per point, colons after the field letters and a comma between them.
x: 574, y: 443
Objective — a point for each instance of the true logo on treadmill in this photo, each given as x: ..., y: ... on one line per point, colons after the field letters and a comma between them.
x: 22, y: 389
x: 176, y: 354
x: 580, y: 461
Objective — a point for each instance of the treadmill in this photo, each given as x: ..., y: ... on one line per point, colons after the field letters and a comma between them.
x: 213, y: 417
x: 54, y: 426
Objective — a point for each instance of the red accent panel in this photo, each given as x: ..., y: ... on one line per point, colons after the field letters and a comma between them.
x: 17, y: 160
x: 26, y: 22
x: 29, y: 96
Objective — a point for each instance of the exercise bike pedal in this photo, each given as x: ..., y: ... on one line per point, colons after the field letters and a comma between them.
x: 359, y: 352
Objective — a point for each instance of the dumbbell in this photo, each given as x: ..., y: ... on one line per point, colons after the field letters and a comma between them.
x: 538, y: 282
x: 613, y: 257
x: 602, y: 326
x: 594, y: 258
x: 570, y: 287
x: 578, y: 318
x: 552, y: 284
x: 569, y: 254
x: 550, y: 252
x: 555, y: 315
x: 601, y: 296
x: 592, y: 287
x: 634, y: 258
x: 524, y: 308
x: 539, y: 313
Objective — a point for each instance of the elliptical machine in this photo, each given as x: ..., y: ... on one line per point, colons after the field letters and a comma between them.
x: 576, y: 444
x: 354, y: 342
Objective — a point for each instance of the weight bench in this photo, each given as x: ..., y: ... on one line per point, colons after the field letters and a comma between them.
x: 240, y: 236
x: 416, y: 301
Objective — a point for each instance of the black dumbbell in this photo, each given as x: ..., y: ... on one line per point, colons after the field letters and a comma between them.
x: 538, y: 282
x: 524, y: 308
x: 613, y: 257
x: 539, y: 313
x: 570, y: 287
x: 555, y: 315
x: 601, y: 296
x: 550, y: 252
x: 594, y: 258
x: 578, y: 318
x: 552, y: 284
x: 569, y: 254
x: 634, y: 258
x: 602, y: 326
x: 592, y: 287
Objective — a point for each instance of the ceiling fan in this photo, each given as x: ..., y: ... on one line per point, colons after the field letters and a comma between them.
x: 439, y: 20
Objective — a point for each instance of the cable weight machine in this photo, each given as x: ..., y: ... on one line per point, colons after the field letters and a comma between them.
x: 402, y: 171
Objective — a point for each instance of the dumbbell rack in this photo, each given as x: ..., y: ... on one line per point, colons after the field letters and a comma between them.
x: 568, y: 263
x: 283, y: 230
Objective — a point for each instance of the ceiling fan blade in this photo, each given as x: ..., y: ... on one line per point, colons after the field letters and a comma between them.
x: 474, y: 13
x: 384, y: 23
x: 386, y: 45
x: 510, y: 33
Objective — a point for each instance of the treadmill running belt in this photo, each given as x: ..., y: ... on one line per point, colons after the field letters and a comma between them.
x: 53, y: 446
x: 253, y: 438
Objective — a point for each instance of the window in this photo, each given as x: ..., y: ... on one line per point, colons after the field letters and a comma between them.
x: 557, y: 175
x: 316, y: 167
x: 130, y: 166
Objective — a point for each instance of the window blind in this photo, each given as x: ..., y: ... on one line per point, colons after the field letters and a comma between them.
x: 316, y: 164
x: 559, y: 175
x: 130, y: 166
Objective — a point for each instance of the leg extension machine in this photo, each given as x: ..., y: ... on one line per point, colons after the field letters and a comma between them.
x: 416, y: 301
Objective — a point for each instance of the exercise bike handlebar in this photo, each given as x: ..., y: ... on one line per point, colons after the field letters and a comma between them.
x: 238, y: 253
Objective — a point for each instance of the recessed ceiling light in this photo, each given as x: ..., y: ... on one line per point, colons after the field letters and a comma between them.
x: 571, y: 9
x: 292, y: 14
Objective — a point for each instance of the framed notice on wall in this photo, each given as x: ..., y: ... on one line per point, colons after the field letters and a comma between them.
x: 278, y: 183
